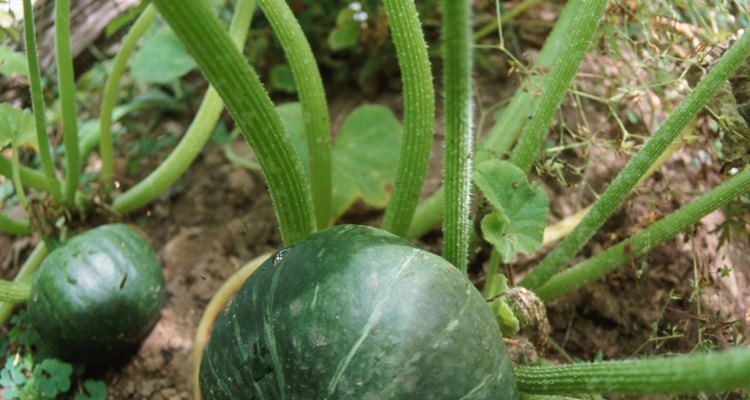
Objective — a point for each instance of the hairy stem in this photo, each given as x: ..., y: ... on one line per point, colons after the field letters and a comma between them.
x: 200, y: 30
x: 313, y: 100
x: 196, y: 136
x: 109, y: 96
x: 661, y: 231
x: 457, y: 67
x: 616, y: 192
x: 67, y: 88
x: 37, y: 102
x: 419, y: 114
x: 712, y: 372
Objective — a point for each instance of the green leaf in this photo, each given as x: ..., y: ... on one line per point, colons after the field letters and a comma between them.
x: 12, y: 62
x: 162, y: 59
x: 516, y: 225
x: 346, y: 32
x: 95, y: 390
x: 16, y: 126
x: 52, y: 377
x: 282, y: 79
x: 12, y: 378
x: 364, y: 156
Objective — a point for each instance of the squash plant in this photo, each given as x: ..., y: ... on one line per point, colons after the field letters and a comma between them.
x: 309, y: 321
x: 422, y: 306
x: 93, y: 293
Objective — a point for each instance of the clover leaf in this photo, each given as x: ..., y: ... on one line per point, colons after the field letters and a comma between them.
x: 52, y: 377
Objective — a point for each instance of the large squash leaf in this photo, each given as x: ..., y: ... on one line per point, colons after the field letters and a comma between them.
x: 364, y: 155
x: 516, y: 225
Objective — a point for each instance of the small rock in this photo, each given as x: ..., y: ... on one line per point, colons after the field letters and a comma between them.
x: 147, y: 388
x: 153, y: 362
x: 241, y: 181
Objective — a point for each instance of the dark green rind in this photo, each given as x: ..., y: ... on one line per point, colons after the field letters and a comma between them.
x: 99, y: 295
x: 355, y: 312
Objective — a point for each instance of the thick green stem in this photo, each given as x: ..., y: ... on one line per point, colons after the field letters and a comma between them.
x: 313, y: 100
x: 712, y: 373
x: 14, y: 226
x: 457, y: 67
x: 661, y: 231
x: 419, y: 114
x: 506, y: 129
x: 109, y: 96
x: 37, y: 102
x: 616, y: 192
x: 200, y: 30
x: 30, y: 177
x: 556, y: 83
x: 14, y: 292
x: 24, y: 276
x: 67, y: 88
x: 196, y: 136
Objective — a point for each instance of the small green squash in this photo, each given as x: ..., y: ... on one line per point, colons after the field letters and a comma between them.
x: 97, y: 296
x: 353, y: 312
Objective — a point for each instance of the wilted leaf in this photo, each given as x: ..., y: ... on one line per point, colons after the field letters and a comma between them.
x: 520, y: 210
x: 162, y: 59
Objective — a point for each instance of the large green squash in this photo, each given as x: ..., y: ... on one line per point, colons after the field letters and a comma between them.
x: 98, y: 296
x: 353, y: 312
